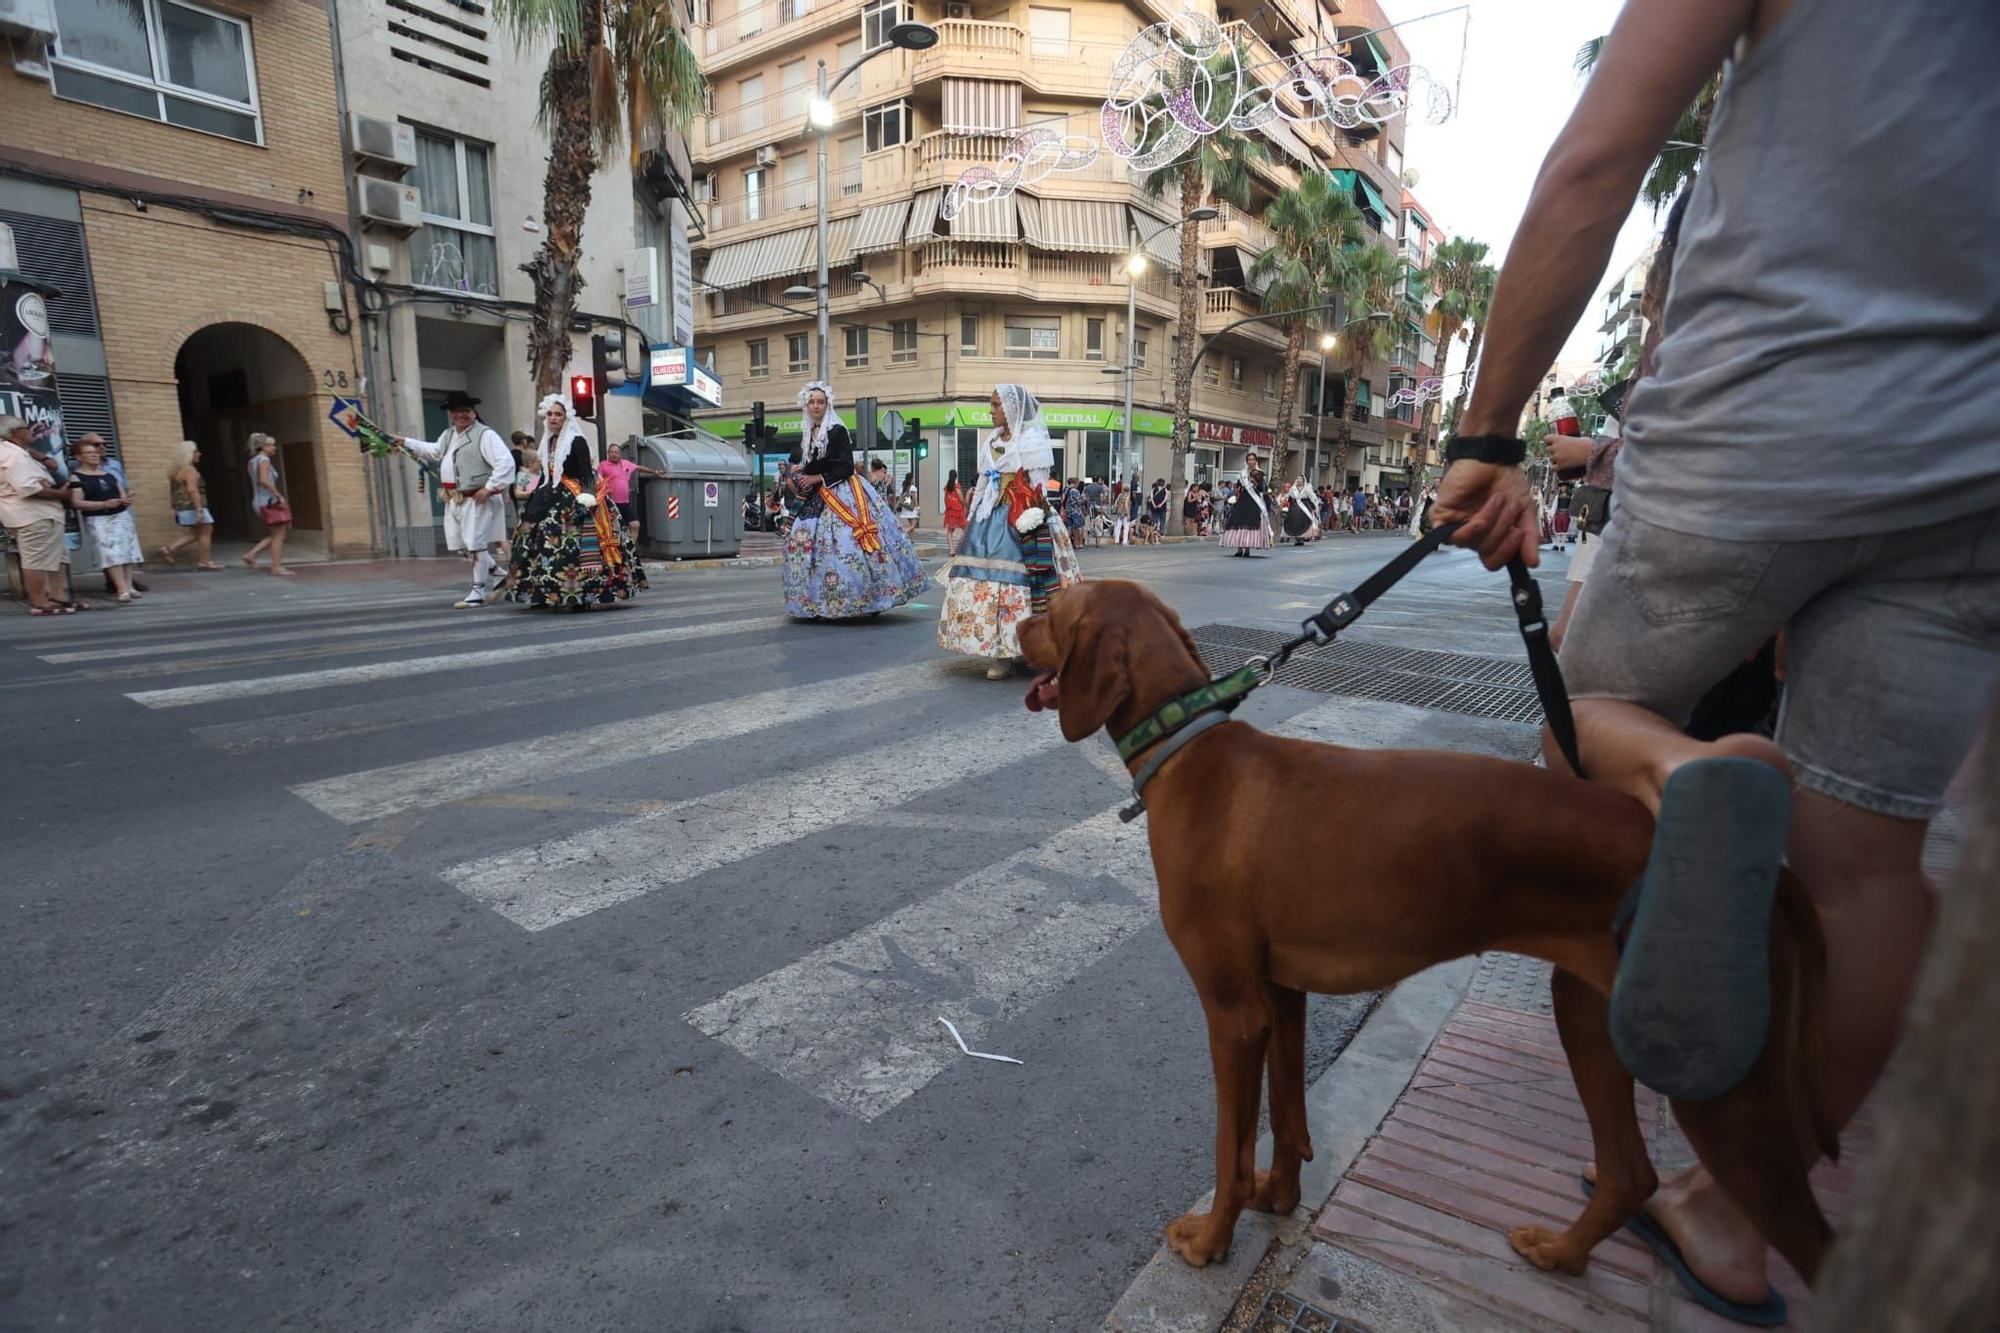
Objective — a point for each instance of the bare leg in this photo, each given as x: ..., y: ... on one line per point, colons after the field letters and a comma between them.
x: 36, y: 584
x: 1635, y: 750
x: 249, y: 557
x: 203, y: 534
x: 1561, y: 627
x: 121, y: 579
x: 277, y: 541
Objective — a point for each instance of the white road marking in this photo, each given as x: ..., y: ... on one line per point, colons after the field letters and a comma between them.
x: 545, y: 885
x: 853, y: 1022
x: 260, y: 686
x: 355, y: 797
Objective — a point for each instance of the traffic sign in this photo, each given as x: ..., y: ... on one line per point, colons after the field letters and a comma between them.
x: 346, y: 414
x: 711, y: 495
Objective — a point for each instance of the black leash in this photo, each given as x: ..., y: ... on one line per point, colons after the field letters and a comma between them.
x: 1345, y: 609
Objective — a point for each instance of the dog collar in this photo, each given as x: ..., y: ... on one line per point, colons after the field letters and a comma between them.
x: 1158, y: 759
x: 1221, y: 694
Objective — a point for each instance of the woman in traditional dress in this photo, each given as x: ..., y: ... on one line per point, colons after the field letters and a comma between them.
x: 1302, y: 518
x: 569, y: 552
x: 1016, y: 550
x: 1247, y: 527
x: 846, y: 554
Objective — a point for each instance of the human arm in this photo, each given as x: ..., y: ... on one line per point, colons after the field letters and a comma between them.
x: 430, y: 451
x: 501, y: 459
x: 837, y: 463
x: 1655, y: 60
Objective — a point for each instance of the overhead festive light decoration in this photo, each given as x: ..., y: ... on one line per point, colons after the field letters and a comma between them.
x: 1429, y: 390
x: 1030, y: 157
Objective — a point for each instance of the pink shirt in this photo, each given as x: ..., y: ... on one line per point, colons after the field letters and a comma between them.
x: 617, y: 476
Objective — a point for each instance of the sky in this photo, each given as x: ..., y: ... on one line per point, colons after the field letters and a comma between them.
x: 1517, y: 88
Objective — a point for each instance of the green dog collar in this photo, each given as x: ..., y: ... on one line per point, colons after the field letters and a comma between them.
x: 1223, y: 693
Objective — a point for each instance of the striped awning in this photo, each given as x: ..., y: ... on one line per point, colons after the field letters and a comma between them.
x: 1094, y: 226
x: 1163, y: 243
x: 880, y: 227
x: 981, y: 106
x: 839, y: 242
x: 1030, y: 209
x: 1288, y: 143
x: 1246, y: 259
x: 987, y: 220
x: 772, y: 256
x: 923, y: 217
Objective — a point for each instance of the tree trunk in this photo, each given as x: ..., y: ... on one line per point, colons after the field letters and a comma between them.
x: 1916, y: 1253
x: 1348, y: 377
x: 565, y: 197
x: 1288, y: 397
x: 1190, y: 337
x: 1471, y: 363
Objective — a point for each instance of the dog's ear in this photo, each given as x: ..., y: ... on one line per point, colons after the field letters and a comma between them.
x: 1095, y: 677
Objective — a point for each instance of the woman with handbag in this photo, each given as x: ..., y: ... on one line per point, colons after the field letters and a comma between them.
x: 270, y: 504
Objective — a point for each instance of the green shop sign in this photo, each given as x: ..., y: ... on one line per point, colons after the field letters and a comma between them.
x: 1060, y: 416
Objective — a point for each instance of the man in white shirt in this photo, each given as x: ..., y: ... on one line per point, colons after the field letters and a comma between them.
x: 31, y: 508
x: 475, y: 468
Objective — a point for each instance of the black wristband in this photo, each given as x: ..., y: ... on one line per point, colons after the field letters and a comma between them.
x: 1506, y: 450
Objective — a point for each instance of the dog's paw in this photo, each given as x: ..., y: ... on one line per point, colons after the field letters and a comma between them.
x: 1275, y: 1193
x: 1546, y: 1250
x: 1191, y: 1238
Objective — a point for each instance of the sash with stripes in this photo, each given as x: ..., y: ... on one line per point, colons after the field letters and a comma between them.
x: 858, y: 515
x: 601, y: 518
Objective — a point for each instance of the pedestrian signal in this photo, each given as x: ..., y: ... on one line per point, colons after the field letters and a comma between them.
x: 583, y: 392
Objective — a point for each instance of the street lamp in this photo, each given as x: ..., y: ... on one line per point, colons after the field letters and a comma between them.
x: 821, y: 115
x: 1135, y: 267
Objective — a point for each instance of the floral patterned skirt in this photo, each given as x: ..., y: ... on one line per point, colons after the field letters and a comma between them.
x: 989, y: 588
x: 560, y: 560
x: 829, y: 577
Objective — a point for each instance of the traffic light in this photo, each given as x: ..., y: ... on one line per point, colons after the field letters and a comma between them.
x: 610, y: 359
x: 755, y: 436
x: 583, y: 392
x: 913, y: 439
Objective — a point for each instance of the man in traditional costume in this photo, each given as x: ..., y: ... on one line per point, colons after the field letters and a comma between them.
x: 475, y: 468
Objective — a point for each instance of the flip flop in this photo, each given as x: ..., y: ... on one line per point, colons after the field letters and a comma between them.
x: 1767, y: 1313
x: 1692, y: 1001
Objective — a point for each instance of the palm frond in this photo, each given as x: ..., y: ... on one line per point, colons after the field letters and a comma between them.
x: 531, y: 21
x: 1588, y: 55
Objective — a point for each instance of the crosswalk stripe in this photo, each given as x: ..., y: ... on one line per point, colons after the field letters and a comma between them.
x: 544, y: 885
x: 254, y: 687
x: 336, y: 630
x: 355, y: 797
x: 855, y: 1021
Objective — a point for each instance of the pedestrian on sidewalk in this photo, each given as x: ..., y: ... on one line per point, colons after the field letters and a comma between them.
x: 475, y: 469
x: 618, y: 471
x: 187, y: 491
x: 1157, y: 503
x: 954, y: 514
x: 1746, y: 505
x: 31, y: 507
x: 270, y: 503
x: 116, y: 469
x: 1121, y: 516
x: 106, y: 509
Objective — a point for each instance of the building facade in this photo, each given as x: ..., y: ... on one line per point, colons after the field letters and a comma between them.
x: 176, y: 171
x: 927, y: 313
x: 1623, y: 326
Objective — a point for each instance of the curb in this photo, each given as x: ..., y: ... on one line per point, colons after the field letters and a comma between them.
x: 750, y: 561
x: 1344, y: 1106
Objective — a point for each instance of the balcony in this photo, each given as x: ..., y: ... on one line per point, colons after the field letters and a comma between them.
x: 1002, y: 268
x: 1238, y: 228
x: 941, y: 158
x: 976, y: 49
x: 1223, y: 306
x: 742, y: 29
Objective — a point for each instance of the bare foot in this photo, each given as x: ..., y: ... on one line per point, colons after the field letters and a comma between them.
x: 1275, y: 1194
x: 1189, y: 1235
x: 283, y: 574
x: 1717, y: 1241
x: 249, y: 561
x: 1547, y: 1250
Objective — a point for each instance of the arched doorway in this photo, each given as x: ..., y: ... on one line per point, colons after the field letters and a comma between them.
x: 235, y: 380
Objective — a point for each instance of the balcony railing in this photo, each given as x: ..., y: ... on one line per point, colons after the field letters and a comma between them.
x: 795, y: 196
x: 942, y: 157
x: 1256, y: 236
x: 974, y: 37
x: 739, y: 21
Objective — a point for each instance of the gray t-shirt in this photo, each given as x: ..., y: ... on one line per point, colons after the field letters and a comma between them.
x: 1831, y: 365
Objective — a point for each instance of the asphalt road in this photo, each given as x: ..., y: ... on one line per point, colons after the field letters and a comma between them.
x: 375, y: 965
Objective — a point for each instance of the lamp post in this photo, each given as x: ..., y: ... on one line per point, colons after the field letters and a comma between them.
x: 904, y: 37
x: 1135, y: 265
x: 1327, y: 342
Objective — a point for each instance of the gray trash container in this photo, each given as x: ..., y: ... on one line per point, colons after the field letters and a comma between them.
x: 696, y: 510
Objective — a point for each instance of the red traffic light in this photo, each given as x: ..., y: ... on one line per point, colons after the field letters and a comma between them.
x: 583, y: 392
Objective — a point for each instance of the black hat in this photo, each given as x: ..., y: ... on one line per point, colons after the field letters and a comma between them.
x: 459, y: 398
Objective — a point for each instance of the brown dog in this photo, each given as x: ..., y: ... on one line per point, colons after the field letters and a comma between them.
x: 1110, y: 653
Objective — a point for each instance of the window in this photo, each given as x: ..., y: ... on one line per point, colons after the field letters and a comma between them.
x: 1361, y: 396
x: 886, y: 125
x: 903, y: 342
x: 1040, y: 339
x: 968, y: 456
x: 159, y: 59
x: 798, y: 353
x: 760, y: 358
x: 968, y: 335
x: 845, y: 55
x: 791, y: 11
x: 1048, y: 32
x: 1236, y: 369
x: 796, y: 172
x: 649, y: 232
x: 1139, y: 351
x: 1392, y: 158
x: 704, y: 188
x: 792, y: 83
x: 1097, y: 445
x: 1271, y: 384
x: 454, y: 249
x: 850, y: 164
x: 756, y: 188
x: 1093, y: 339
x: 750, y: 104
x: 1211, y: 375
x: 857, y: 347
x: 877, y: 18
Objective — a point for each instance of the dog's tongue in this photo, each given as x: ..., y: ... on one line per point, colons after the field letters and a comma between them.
x: 1042, y: 693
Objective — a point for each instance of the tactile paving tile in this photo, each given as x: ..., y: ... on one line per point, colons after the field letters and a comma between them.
x: 1511, y: 981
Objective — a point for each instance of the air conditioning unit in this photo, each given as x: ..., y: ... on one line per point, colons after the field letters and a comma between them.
x: 388, y: 143
x: 390, y: 205
x: 958, y: 9
x: 28, y: 18
x: 767, y: 156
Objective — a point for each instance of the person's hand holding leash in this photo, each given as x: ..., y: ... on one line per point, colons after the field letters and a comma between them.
x: 1494, y: 509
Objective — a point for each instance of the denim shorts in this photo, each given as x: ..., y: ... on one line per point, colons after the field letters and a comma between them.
x: 189, y: 518
x: 1892, y: 644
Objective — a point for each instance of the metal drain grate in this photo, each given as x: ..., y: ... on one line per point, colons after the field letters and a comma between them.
x: 1420, y: 677
x: 1283, y: 1312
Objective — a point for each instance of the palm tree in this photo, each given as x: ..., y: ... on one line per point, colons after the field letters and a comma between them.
x: 1214, y: 169
x: 618, y: 69
x: 1375, y: 291
x: 1680, y: 160
x: 1463, y: 280
x: 1473, y: 304
x: 1315, y: 228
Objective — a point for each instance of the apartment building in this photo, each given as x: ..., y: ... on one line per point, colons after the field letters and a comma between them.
x: 175, y: 170
x: 448, y: 161
x: 928, y: 314
x: 1623, y: 326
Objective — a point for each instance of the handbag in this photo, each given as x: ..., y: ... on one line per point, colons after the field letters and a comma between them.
x: 275, y: 514
x: 1590, y: 506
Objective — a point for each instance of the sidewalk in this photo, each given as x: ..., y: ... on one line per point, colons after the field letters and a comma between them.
x: 1449, y: 1120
